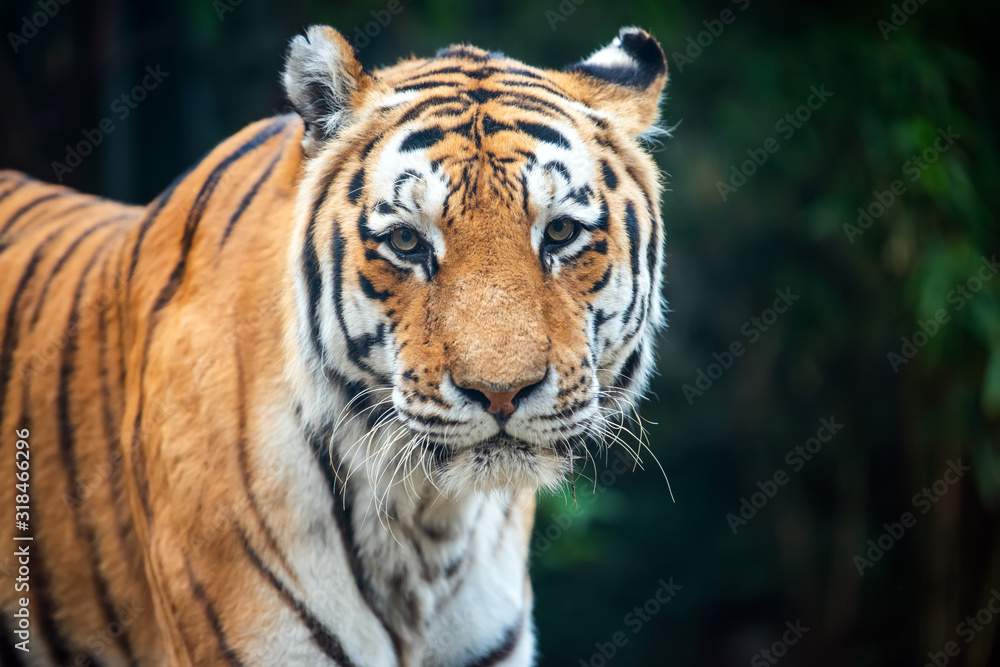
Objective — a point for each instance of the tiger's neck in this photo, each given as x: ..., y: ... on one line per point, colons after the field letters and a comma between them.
x: 443, y: 576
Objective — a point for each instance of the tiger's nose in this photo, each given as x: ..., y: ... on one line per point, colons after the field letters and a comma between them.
x: 500, y: 404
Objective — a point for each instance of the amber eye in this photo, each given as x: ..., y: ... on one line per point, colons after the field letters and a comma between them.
x: 404, y: 239
x: 560, y: 231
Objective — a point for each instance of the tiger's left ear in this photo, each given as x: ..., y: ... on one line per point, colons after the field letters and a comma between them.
x: 324, y: 82
x: 624, y: 79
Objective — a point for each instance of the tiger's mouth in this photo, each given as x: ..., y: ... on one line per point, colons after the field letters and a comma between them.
x: 506, y: 443
x: 503, y: 462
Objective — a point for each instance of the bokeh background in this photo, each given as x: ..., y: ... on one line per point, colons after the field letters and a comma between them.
x: 899, y: 75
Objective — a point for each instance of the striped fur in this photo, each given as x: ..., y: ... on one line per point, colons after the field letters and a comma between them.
x: 261, y: 434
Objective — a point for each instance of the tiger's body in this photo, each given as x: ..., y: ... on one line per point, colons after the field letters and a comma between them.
x: 264, y: 429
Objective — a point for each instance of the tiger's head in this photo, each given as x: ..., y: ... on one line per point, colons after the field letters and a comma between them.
x: 478, y: 254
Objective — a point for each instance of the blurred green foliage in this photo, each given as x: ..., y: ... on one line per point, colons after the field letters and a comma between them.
x: 788, y: 226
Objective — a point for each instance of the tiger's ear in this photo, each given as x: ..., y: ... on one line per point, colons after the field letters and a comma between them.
x: 324, y: 82
x: 624, y: 79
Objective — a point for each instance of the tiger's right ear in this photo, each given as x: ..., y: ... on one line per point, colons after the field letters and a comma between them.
x: 324, y: 82
x: 624, y: 79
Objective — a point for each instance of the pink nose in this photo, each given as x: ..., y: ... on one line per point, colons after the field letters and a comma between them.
x: 501, y: 402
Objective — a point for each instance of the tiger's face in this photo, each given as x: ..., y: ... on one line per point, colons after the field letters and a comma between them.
x: 479, y: 253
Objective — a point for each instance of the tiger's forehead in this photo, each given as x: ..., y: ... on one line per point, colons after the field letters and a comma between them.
x: 470, y: 92
x: 474, y: 132
x: 463, y: 67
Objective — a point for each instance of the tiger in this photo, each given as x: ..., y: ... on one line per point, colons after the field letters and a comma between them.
x: 297, y: 409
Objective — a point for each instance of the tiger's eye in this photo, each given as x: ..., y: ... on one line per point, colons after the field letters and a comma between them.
x: 560, y: 231
x: 404, y: 239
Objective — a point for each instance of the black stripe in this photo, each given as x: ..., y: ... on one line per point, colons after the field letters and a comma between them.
x: 422, y: 139
x: 357, y: 184
x: 213, y: 618
x: 652, y: 251
x: 466, y: 53
x: 580, y: 195
x: 78, y: 206
x: 146, y: 223
x: 452, y: 69
x: 27, y: 207
x: 138, y: 462
x: 369, y: 289
x: 604, y: 217
x: 536, y: 84
x: 626, y: 374
x: 138, y: 456
x: 600, y: 247
x: 524, y: 191
x: 17, y: 186
x: 434, y: 420
x: 602, y: 283
x: 560, y: 168
x: 428, y: 84
x: 111, y: 425
x: 435, y: 100
x: 357, y: 348
x: 59, y: 216
x: 322, y: 636
x: 244, y: 461
x: 534, y: 103
x: 310, y: 261
x: 520, y: 71
x: 43, y: 610
x: 610, y: 179
x: 11, y: 333
x: 342, y: 508
x: 197, y: 209
x: 66, y: 442
x: 503, y: 650
x: 543, y: 133
x: 9, y: 656
x: 632, y: 227
x: 248, y: 197
x: 61, y: 262
x: 314, y: 287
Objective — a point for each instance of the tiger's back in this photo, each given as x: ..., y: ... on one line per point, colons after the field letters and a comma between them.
x: 83, y: 277
x: 61, y: 385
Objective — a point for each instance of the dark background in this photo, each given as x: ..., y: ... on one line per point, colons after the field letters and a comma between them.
x: 826, y: 357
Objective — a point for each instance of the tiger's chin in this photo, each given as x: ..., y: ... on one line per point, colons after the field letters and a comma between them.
x: 504, y: 463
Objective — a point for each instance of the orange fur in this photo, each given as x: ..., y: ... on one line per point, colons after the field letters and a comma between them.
x: 156, y: 366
